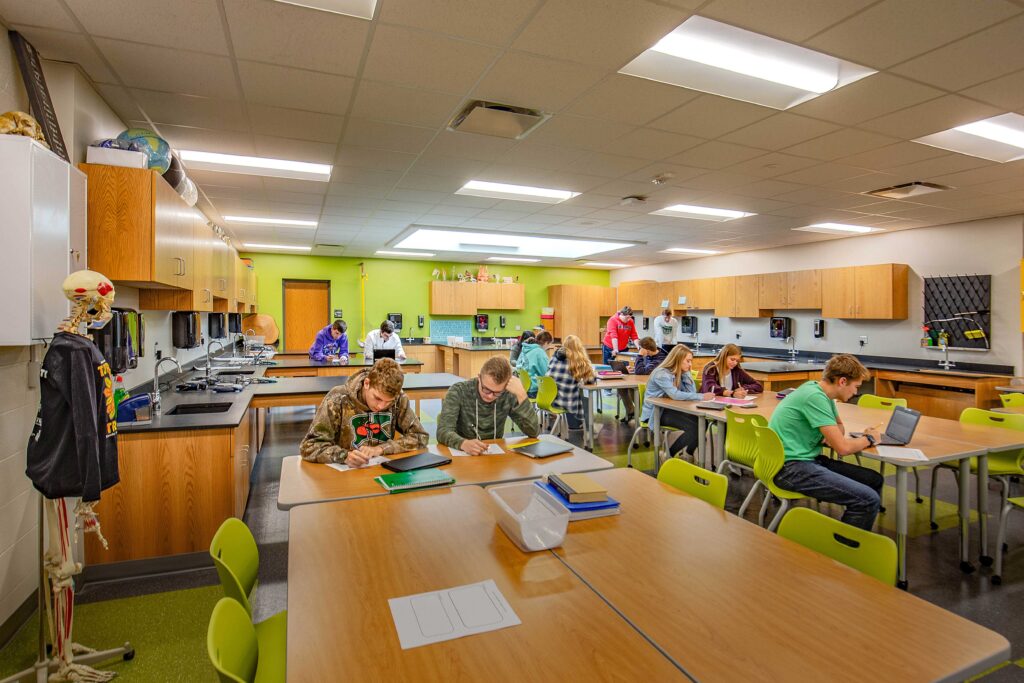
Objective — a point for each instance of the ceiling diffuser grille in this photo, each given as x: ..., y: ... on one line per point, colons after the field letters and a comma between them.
x: 498, y: 120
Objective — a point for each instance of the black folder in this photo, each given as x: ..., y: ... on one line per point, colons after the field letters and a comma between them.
x: 417, y: 462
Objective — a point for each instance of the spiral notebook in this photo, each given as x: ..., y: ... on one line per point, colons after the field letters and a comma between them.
x: 416, y: 479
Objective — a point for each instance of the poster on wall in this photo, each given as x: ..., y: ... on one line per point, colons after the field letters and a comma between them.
x: 31, y: 66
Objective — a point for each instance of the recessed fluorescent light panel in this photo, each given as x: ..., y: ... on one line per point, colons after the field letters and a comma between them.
x: 598, y: 264
x: 510, y: 259
x: 713, y: 57
x: 701, y: 213
x: 361, y: 9
x: 276, y: 246
x: 404, y: 253
x: 1000, y: 138
x: 511, y: 244
x: 262, y: 166
x: 838, y: 229
x: 687, y: 250
x: 270, y: 221
x: 482, y: 188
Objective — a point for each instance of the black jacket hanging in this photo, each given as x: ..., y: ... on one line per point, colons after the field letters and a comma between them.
x: 73, y: 448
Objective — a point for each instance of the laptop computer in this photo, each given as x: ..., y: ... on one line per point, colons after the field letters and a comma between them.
x: 900, y: 429
x: 543, y: 449
x: 417, y: 462
x: 383, y: 353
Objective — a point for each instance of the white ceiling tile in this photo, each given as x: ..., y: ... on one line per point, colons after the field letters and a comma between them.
x: 516, y: 175
x: 290, y: 35
x: 296, y: 197
x: 822, y: 173
x: 767, y: 188
x: 182, y: 25
x: 238, y: 181
x: 190, y: 110
x: 295, y: 150
x: 169, y: 70
x: 649, y: 143
x: 390, y: 136
x: 295, y: 123
x: 441, y: 220
x: 985, y: 174
x: 790, y: 20
x: 541, y: 156
x: 817, y: 197
x: 718, y: 180
x: 431, y: 163
x: 779, y: 131
x: 989, y: 54
x: 378, y: 159
x: 397, y: 55
x: 623, y: 188
x: 931, y: 117
x: 343, y: 189
x: 204, y: 139
x: 930, y: 168
x: 526, y: 80
x: 716, y: 155
x: 868, y: 98
x: 484, y: 21
x: 897, y: 30
x: 68, y: 47
x: 421, y: 196
x: 1006, y: 92
x: 899, y: 154
x: 567, y: 130
x: 865, y: 183
x: 771, y: 165
x: 579, y: 182
x: 607, y: 165
x: 431, y: 183
x: 120, y: 100
x: 605, y: 33
x: 709, y: 116
x: 291, y: 185
x: 42, y: 13
x: 841, y: 143
x: 387, y: 102
x: 630, y: 100
x: 677, y: 172
x: 280, y: 86
x: 364, y: 176
x: 469, y: 146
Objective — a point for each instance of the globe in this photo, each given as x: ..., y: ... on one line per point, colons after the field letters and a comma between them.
x: 156, y: 148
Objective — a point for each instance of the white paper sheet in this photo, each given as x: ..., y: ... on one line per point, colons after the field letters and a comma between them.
x: 492, y: 449
x: 900, y: 453
x: 451, y: 613
x: 375, y: 460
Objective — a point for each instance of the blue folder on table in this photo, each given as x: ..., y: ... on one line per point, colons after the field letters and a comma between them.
x: 578, y: 507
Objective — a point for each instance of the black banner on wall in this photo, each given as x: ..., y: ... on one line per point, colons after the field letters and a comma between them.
x: 31, y: 68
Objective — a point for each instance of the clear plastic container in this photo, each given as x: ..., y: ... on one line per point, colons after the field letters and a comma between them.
x: 530, y: 516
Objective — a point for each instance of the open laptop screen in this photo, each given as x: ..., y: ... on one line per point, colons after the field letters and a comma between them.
x: 383, y: 353
x: 902, y: 424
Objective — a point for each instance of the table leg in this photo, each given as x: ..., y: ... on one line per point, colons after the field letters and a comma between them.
x: 984, y: 557
x: 719, y: 453
x: 702, y: 441
x: 588, y: 431
x: 901, y: 525
x: 655, y: 424
x: 964, y: 514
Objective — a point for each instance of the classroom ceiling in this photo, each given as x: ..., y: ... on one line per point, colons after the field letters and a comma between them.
x: 373, y: 98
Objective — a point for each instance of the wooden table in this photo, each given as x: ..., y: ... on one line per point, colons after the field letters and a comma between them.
x: 730, y: 601
x: 305, y: 482
x: 1013, y: 410
x: 310, y: 391
x: 590, y: 391
x: 347, y: 559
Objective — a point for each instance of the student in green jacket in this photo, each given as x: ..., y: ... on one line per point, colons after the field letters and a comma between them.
x: 476, y: 409
x: 533, y: 357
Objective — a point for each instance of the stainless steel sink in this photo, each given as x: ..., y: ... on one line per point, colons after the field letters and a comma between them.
x: 199, y: 408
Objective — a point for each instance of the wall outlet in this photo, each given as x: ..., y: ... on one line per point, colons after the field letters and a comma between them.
x: 518, y: 328
x: 738, y: 334
x: 338, y: 313
x: 863, y: 340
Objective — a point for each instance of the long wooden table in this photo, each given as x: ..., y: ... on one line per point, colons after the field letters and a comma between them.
x: 305, y: 482
x: 590, y: 391
x: 309, y: 391
x: 347, y: 559
x: 730, y: 601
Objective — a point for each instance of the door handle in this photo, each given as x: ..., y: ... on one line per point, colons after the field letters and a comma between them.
x: 209, y: 295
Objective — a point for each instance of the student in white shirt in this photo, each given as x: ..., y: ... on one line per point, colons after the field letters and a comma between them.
x: 384, y: 338
x: 666, y: 328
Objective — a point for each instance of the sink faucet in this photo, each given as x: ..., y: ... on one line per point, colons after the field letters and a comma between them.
x: 696, y: 341
x: 155, y: 396
x: 945, y: 363
x: 209, y: 362
x: 792, y: 347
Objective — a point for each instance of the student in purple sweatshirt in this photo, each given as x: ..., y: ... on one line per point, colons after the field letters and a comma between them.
x: 331, y: 342
x: 725, y: 377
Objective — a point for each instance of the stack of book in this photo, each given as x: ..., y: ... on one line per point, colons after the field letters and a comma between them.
x: 416, y: 479
x: 581, y: 495
x: 609, y: 374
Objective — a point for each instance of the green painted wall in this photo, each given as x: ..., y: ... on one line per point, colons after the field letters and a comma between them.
x: 399, y: 286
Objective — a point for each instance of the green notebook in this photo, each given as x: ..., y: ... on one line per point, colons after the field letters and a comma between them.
x: 416, y: 479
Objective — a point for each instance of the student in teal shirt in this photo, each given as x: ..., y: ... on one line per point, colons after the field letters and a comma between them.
x: 805, y: 421
x: 533, y: 357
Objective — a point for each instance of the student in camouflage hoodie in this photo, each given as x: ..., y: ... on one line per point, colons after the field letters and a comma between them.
x: 363, y: 418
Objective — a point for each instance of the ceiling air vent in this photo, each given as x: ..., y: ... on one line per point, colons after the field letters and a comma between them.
x: 322, y: 249
x: 905, y: 190
x: 498, y: 120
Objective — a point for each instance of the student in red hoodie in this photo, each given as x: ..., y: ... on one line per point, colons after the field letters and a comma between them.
x: 725, y: 377
x: 618, y: 333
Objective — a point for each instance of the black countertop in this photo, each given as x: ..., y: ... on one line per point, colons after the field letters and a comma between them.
x: 310, y: 363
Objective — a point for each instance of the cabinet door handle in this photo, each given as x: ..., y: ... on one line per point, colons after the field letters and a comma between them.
x: 209, y: 295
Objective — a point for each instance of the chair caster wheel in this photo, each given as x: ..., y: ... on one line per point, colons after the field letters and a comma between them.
x: 128, y: 656
x: 986, y: 560
x: 902, y: 585
x: 934, y: 526
x: 881, y: 508
x: 1006, y: 547
x: 997, y: 580
x: 919, y: 499
x: 967, y: 567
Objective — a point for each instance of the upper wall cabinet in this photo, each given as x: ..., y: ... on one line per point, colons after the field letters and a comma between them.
x: 141, y: 232
x: 700, y: 293
x: 635, y: 295
x: 199, y: 297
x: 876, y: 292
x: 794, y: 290
x: 466, y: 298
x: 737, y: 297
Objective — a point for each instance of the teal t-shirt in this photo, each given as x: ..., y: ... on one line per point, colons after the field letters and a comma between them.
x: 798, y: 418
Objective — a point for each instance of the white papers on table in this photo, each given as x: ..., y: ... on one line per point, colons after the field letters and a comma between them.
x: 451, y: 613
x: 492, y: 449
x: 900, y: 453
x: 375, y: 460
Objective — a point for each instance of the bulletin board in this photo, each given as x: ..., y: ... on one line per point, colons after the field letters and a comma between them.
x: 960, y: 305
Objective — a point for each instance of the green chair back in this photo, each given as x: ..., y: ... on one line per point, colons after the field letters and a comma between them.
x: 1012, y: 400
x: 770, y: 459
x: 697, y: 481
x: 1003, y: 462
x: 547, y: 391
x: 868, y: 552
x: 884, y: 403
x: 231, y: 643
x: 524, y: 377
x: 740, y: 442
x: 237, y: 560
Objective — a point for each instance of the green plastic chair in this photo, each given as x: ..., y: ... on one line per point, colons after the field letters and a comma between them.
x: 547, y: 391
x: 239, y: 651
x: 741, y: 448
x: 865, y: 551
x: 770, y: 459
x: 710, y: 487
x: 645, y: 429
x: 886, y: 403
x: 524, y: 377
x: 1001, y: 466
x: 1004, y: 513
x: 1012, y: 400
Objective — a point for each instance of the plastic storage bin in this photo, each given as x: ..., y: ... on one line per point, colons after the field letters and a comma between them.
x: 530, y: 516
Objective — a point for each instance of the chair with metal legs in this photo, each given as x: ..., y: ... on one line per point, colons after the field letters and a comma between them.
x: 770, y: 459
x: 741, y: 448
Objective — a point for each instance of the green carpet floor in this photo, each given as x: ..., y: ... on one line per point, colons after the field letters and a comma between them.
x: 168, y: 631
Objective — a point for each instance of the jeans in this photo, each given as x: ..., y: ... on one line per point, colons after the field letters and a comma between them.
x: 834, y: 481
x: 688, y: 439
x: 607, y: 355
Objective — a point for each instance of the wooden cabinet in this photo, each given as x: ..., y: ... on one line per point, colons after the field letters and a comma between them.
x: 488, y: 295
x: 737, y: 297
x: 242, y: 455
x: 579, y: 309
x: 512, y: 296
x: 222, y: 269
x: 634, y: 295
x: 794, y: 290
x: 466, y: 298
x: 199, y: 297
x: 606, y: 296
x: 140, y: 230
x: 656, y: 296
x: 245, y: 285
x: 877, y: 292
x: 725, y: 297
x: 699, y: 293
x: 426, y: 353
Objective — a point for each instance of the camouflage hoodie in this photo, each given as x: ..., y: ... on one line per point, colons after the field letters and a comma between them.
x: 344, y: 421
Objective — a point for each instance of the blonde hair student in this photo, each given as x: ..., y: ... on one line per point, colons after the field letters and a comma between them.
x: 570, y: 367
x: 672, y: 379
x: 725, y: 377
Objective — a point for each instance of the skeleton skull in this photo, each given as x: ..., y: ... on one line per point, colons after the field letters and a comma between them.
x: 92, y: 293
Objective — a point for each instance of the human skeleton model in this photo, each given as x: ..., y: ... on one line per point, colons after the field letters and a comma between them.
x: 91, y: 295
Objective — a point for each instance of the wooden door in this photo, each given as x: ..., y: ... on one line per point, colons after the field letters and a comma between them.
x: 725, y: 297
x: 804, y: 289
x: 307, y: 308
x: 837, y: 292
x: 488, y: 296
x: 512, y: 297
x: 746, y: 298
x: 703, y: 292
x: 881, y: 291
x: 203, y: 256
x: 442, y: 297
x: 772, y: 290
x: 168, y: 267
x: 607, y: 302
